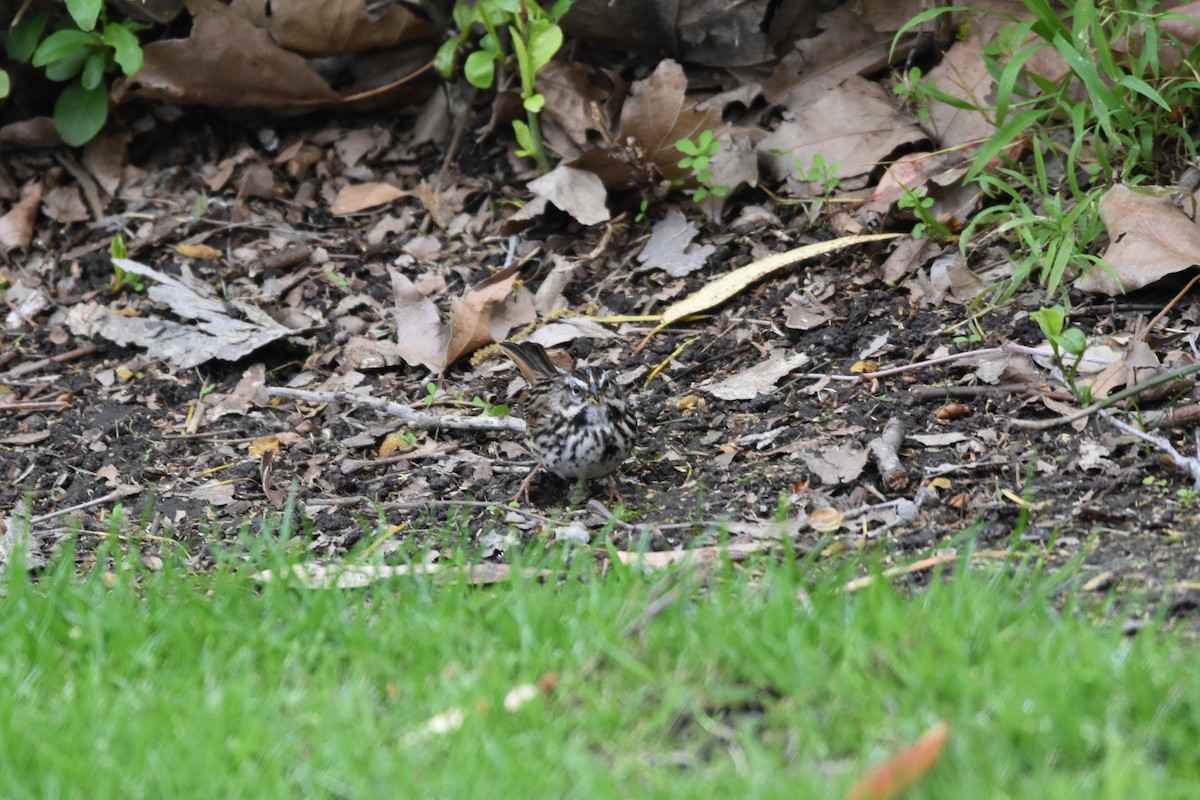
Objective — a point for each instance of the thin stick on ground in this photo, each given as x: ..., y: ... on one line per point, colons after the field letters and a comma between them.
x: 422, y: 420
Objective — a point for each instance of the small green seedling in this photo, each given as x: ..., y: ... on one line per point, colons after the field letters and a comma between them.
x: 697, y: 156
x: 121, y: 278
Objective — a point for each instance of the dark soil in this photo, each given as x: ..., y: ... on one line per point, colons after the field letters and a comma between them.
x: 705, y: 468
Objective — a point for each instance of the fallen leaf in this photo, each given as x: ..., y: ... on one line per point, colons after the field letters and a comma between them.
x: 730, y: 284
x: 578, y: 192
x: 903, y: 770
x: 421, y: 335
x: 487, y: 312
x: 670, y: 246
x: 226, y: 62
x: 837, y: 465
x: 214, y: 335
x: 16, y: 227
x: 361, y: 196
x: 852, y: 128
x: 1150, y: 237
x: 759, y: 379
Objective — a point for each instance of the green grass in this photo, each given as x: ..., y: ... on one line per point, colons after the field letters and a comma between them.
x: 167, y: 684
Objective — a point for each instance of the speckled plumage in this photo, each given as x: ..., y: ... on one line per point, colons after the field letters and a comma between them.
x: 579, y: 424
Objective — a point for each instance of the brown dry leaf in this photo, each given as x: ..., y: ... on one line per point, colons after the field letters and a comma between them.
x: 850, y: 43
x: 1151, y: 239
x: 576, y: 191
x: 16, y: 227
x: 250, y: 392
x: 64, y: 204
x: 361, y: 196
x: 104, y: 158
x: 367, y: 352
x: 656, y: 116
x: 903, y: 770
x: 734, y: 165
x: 962, y: 74
x: 670, y: 247
x: 572, y: 89
x: 805, y: 313
x: 856, y: 127
x: 226, y: 62
x: 335, y: 27
x: 420, y: 333
x: 487, y: 313
x: 1138, y: 363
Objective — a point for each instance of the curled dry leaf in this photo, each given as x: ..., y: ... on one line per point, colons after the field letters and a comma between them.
x: 826, y: 520
x: 1151, y: 239
x: 421, y: 336
x: 904, y: 769
x: 576, y: 191
x: 730, y: 284
x: 487, y: 313
x: 214, y: 334
x: 16, y: 227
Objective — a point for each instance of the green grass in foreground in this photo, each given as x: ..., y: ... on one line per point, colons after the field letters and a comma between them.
x: 169, y: 685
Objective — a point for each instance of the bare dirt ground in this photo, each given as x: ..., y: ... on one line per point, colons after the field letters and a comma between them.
x: 84, y: 419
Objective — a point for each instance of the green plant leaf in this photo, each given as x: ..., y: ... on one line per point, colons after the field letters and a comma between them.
x: 445, y: 59
x: 79, y: 113
x: 1147, y: 91
x: 524, y: 139
x: 480, y: 69
x: 545, y: 39
x: 464, y: 15
x: 1002, y: 138
x: 1074, y: 342
x: 127, y: 50
x: 4, y: 84
x: 62, y: 45
x: 686, y: 146
x: 67, y: 68
x: 1050, y: 319
x: 85, y: 12
x: 534, y: 104
x: 23, y: 38
x: 93, y: 71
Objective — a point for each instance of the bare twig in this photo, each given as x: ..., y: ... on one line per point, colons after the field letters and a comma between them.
x: 35, y: 366
x: 414, y: 419
x: 1187, y: 463
x: 1113, y: 399
x: 116, y: 494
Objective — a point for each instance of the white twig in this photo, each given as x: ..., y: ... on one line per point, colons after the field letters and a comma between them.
x: 422, y: 420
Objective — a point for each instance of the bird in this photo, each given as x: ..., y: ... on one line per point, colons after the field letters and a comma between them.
x: 578, y: 423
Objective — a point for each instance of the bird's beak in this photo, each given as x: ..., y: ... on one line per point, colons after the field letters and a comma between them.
x: 596, y: 393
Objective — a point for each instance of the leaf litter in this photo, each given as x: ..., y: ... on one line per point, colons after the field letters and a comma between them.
x: 399, y: 276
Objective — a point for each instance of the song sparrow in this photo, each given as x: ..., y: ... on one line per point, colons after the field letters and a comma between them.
x: 578, y: 423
